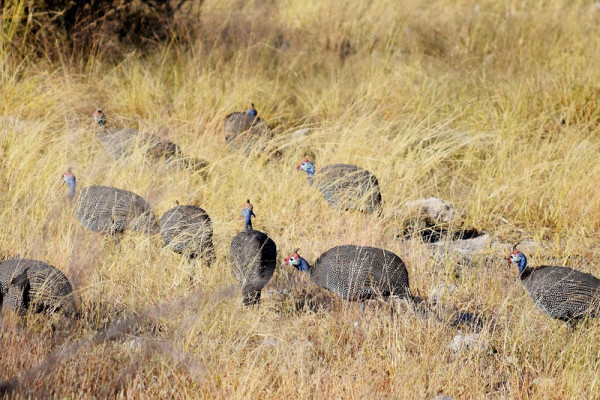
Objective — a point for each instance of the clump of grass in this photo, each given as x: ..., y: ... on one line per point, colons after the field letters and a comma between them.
x: 486, y: 105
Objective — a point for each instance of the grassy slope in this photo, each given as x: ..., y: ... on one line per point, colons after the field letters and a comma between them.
x: 452, y: 99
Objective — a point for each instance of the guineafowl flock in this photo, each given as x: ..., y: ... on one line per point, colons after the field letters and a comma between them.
x: 352, y: 272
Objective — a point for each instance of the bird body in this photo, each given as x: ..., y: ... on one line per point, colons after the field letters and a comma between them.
x: 110, y: 210
x: 345, y: 186
x: 188, y: 229
x: 242, y: 129
x: 560, y: 292
x: 34, y: 285
x: 357, y: 272
x: 121, y: 142
x: 253, y: 257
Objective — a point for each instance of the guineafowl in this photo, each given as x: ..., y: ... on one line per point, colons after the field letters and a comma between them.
x: 110, y: 210
x: 243, y: 129
x: 560, y: 292
x: 188, y: 229
x: 253, y: 257
x: 357, y: 272
x: 120, y: 142
x: 247, y: 214
x: 344, y: 186
x: 36, y: 286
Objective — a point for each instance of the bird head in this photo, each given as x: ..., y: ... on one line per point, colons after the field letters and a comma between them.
x: 68, y: 177
x: 294, y: 260
x: 517, y: 257
x: 252, y: 111
x: 307, y: 166
x: 99, y: 117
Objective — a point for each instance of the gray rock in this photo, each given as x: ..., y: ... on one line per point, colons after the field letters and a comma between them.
x: 433, y: 209
x: 442, y: 397
x: 440, y: 291
x: 462, y: 342
x: 300, y: 133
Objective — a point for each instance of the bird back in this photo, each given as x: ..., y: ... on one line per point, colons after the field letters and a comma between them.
x: 111, y: 210
x: 563, y: 293
x: 348, y: 187
x: 188, y: 229
x: 253, y: 257
x: 242, y: 130
x: 34, y: 285
x: 359, y: 272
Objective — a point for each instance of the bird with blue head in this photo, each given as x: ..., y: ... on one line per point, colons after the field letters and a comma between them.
x: 355, y: 272
x: 296, y: 261
x: 517, y: 257
x: 344, y: 186
x: 562, y: 293
x: 247, y: 214
x: 307, y: 166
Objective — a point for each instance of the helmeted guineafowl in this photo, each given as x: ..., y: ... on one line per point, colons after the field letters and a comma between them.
x: 247, y: 214
x: 253, y: 258
x: 120, y: 142
x: 560, y: 292
x: 242, y: 129
x: 357, y: 272
x: 33, y: 285
x: 110, y: 210
x: 345, y: 186
x: 188, y: 230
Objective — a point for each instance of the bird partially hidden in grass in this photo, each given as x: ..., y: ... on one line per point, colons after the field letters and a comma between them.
x: 357, y: 273
x: 560, y: 292
x: 243, y: 129
x: 30, y: 285
x: 345, y: 186
x: 120, y: 142
x: 187, y: 229
x: 253, y: 258
x: 110, y: 210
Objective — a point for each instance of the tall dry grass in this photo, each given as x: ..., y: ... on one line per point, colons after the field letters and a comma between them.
x: 491, y: 106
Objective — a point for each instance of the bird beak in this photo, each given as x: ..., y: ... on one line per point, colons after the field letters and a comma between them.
x: 508, y: 260
x: 298, y: 167
x: 286, y: 260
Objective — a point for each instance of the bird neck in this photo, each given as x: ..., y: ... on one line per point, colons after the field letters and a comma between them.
x: 522, y: 263
x: 303, y: 266
x: 524, y: 269
x: 247, y: 214
x: 71, y: 184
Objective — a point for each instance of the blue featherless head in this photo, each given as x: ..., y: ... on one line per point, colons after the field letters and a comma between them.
x: 294, y: 260
x: 517, y: 257
x: 252, y: 111
x: 307, y: 166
